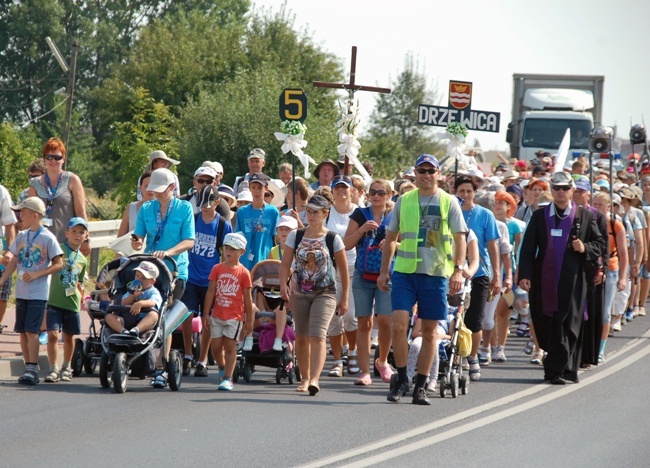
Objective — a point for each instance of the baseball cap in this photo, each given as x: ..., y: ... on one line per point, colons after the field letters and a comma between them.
x: 427, y: 158
x: 341, y: 179
x: 288, y: 221
x: 603, y: 184
x: 215, y: 166
x: 318, y: 202
x: 205, y: 171
x: 77, y: 221
x: 259, y: 178
x: 148, y: 270
x: 208, y: 196
x: 562, y: 179
x: 257, y: 153
x: 236, y: 240
x: 245, y: 195
x: 616, y: 199
x: 31, y: 203
x: 160, y: 180
x: 582, y: 183
x: 159, y: 154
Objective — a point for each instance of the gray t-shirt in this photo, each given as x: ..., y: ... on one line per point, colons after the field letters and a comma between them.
x: 34, y: 251
x: 430, y: 223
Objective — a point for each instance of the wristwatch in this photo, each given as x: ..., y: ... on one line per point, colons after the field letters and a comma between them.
x: 460, y: 267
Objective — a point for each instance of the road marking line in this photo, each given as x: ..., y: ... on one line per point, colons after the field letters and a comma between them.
x: 383, y: 443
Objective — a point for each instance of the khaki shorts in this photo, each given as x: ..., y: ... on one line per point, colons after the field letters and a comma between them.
x: 228, y: 328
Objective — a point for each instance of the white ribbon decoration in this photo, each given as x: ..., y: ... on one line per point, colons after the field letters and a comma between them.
x: 295, y: 144
x: 350, y: 147
x: 455, y: 149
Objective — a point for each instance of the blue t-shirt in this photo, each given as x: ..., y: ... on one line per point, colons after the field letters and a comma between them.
x: 258, y: 226
x: 145, y: 295
x: 34, y: 251
x: 204, y: 255
x: 178, y: 226
x: 484, y: 225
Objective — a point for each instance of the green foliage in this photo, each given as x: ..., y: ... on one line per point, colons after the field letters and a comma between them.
x: 132, y: 141
x: 18, y: 148
x: 394, y: 138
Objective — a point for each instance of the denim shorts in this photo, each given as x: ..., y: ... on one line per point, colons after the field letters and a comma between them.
x: 643, y: 272
x: 429, y: 292
x: 60, y: 319
x: 29, y: 315
x: 194, y: 298
x: 5, y: 290
x: 366, y: 293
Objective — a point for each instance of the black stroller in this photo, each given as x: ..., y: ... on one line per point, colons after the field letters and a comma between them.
x: 450, y: 373
x: 266, y: 282
x: 125, y: 356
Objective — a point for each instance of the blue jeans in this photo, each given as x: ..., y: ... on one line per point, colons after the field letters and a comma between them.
x: 610, y: 293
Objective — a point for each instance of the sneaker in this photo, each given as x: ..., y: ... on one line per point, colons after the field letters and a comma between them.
x: 474, y: 369
x: 134, y: 332
x: 385, y: 371
x: 53, y: 376
x: 277, y: 344
x: 616, y: 326
x: 159, y: 380
x: 629, y: 315
x: 601, y: 358
x: 187, y: 366
x: 397, y: 391
x: 420, y: 397
x: 66, y: 374
x: 336, y: 370
x: 636, y: 311
x: 365, y: 380
x: 42, y: 338
x: 248, y: 344
x: 226, y: 384
x: 374, y: 343
x: 201, y: 370
x: 642, y: 313
x: 431, y: 386
x: 498, y: 355
x: 484, y: 356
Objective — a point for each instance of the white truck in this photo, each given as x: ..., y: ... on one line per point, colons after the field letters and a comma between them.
x: 544, y: 106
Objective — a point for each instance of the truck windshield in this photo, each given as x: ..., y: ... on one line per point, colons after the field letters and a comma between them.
x: 548, y: 133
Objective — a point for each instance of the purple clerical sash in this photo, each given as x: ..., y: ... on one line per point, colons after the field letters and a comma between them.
x: 554, y: 257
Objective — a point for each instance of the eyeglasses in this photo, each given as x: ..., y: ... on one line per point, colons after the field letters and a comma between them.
x: 56, y: 157
x: 564, y: 188
x: 426, y: 171
x: 373, y: 192
x: 204, y: 181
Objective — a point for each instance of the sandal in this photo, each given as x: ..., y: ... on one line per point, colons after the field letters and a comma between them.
x: 474, y: 370
x: 523, y: 330
x: 353, y: 365
x: 365, y: 380
x: 336, y: 370
x: 538, y: 358
x: 313, y: 389
x: 529, y: 348
x: 385, y: 371
x: 301, y: 388
x: 53, y: 376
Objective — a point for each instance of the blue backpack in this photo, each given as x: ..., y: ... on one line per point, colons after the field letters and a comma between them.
x: 368, y: 254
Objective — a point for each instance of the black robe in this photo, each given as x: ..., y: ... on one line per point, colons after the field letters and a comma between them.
x: 560, y: 335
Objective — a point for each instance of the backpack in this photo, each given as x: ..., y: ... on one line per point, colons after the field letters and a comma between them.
x: 220, y: 226
x: 329, y: 241
x: 368, y: 254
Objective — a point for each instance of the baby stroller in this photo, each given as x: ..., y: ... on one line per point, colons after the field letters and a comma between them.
x: 124, y: 355
x: 266, y: 283
x: 87, y: 354
x: 450, y: 373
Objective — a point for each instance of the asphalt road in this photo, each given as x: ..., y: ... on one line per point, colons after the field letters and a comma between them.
x: 509, y: 418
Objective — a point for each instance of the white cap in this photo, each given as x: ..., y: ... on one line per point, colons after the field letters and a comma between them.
x: 215, y: 166
x: 160, y: 180
x: 236, y: 240
x: 245, y: 195
x: 206, y: 171
x: 288, y: 221
x: 148, y: 270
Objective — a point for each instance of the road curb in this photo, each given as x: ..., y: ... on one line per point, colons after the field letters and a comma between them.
x: 12, y: 367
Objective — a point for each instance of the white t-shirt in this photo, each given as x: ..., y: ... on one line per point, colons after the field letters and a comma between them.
x: 338, y: 224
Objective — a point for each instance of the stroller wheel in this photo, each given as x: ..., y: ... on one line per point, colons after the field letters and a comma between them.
x: 464, y: 385
x: 291, y: 375
x: 296, y: 369
x: 174, y: 369
x: 236, y: 372
x: 443, y: 386
x: 120, y: 373
x: 454, y: 385
x: 77, y: 357
x: 278, y: 375
x: 248, y: 372
x: 105, y: 377
x: 90, y: 364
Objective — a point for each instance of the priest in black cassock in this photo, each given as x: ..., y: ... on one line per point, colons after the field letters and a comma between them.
x: 559, y: 256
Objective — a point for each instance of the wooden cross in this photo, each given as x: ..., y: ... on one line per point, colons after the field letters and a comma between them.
x: 352, y: 87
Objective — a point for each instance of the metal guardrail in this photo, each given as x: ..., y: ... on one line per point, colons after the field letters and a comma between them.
x: 102, y: 233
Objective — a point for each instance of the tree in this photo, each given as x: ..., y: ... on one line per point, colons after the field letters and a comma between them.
x: 394, y: 138
x: 18, y: 148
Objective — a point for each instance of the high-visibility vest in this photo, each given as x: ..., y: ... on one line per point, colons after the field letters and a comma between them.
x: 439, y: 242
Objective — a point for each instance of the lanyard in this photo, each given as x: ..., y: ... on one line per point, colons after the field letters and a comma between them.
x: 71, y: 261
x: 51, y: 192
x: 28, y: 247
x: 257, y: 225
x: 160, y: 224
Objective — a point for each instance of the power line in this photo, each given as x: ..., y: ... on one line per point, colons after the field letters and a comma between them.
x: 30, y: 81
x: 36, y: 119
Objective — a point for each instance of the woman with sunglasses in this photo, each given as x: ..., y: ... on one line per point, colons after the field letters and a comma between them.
x: 61, y: 191
x: 367, y: 230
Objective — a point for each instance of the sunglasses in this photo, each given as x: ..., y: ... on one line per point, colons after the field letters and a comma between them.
x: 204, y: 181
x: 564, y: 188
x: 426, y: 171
x: 56, y: 157
x: 373, y: 192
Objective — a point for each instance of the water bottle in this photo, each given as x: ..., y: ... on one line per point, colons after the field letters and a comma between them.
x: 42, y: 338
x: 134, y: 286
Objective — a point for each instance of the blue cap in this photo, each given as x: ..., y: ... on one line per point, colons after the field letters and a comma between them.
x: 341, y: 179
x: 77, y: 221
x: 427, y: 158
x: 603, y: 184
x: 583, y: 184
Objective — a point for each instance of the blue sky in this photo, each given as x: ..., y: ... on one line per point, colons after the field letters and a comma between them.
x: 485, y: 42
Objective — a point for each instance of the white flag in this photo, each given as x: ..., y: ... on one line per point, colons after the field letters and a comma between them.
x: 563, y: 151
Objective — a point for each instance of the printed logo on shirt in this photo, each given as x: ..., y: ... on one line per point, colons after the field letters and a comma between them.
x: 227, y: 287
x: 204, y: 245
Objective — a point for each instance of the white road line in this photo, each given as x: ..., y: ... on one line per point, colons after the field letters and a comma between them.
x: 401, y: 450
